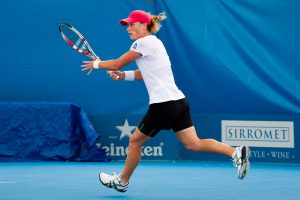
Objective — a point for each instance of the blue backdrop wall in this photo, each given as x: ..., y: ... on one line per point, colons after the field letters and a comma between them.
x: 234, y: 60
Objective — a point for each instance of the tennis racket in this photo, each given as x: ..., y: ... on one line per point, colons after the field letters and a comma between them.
x: 76, y: 40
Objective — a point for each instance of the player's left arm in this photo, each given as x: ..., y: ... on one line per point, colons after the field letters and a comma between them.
x: 135, y: 75
x: 138, y: 75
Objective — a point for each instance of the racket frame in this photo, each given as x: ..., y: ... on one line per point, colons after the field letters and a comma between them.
x: 90, y: 53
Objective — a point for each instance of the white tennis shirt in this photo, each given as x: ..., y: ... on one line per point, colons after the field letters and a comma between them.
x: 155, y: 66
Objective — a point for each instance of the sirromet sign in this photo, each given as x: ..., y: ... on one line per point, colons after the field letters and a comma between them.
x: 258, y: 133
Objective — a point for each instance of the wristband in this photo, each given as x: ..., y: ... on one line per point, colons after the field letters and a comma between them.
x: 129, y: 75
x: 96, y: 63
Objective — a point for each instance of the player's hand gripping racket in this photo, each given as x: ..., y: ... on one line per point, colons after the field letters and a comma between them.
x: 76, y: 40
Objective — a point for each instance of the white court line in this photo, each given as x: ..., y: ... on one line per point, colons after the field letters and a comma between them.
x: 6, y: 182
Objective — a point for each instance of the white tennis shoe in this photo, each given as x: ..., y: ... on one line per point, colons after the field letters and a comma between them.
x: 113, y: 181
x: 241, y: 160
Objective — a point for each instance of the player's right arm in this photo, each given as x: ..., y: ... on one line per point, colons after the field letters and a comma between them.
x: 110, y: 65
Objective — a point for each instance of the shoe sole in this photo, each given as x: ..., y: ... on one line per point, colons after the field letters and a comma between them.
x: 119, y: 190
x: 245, y: 162
x: 111, y: 185
x: 245, y: 153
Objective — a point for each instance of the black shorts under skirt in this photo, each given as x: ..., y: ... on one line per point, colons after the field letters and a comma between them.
x: 168, y: 115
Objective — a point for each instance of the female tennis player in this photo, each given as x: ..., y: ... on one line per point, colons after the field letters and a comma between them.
x: 168, y: 107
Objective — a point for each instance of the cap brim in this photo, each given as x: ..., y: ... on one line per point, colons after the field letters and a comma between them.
x: 124, y: 22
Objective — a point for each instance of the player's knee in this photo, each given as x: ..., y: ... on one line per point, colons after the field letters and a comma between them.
x: 134, y: 143
x: 192, y: 146
x: 196, y: 145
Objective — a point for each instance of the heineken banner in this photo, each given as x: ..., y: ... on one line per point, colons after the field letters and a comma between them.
x: 271, y: 138
x: 115, y: 133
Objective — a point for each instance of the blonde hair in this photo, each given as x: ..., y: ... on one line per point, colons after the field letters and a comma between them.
x: 155, y: 19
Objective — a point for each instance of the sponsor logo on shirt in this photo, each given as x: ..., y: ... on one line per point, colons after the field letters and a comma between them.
x: 134, y: 46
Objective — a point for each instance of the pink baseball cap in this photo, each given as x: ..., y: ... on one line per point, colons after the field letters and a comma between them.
x: 136, y: 16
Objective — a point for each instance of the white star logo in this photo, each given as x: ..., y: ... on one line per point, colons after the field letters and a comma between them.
x: 125, y: 129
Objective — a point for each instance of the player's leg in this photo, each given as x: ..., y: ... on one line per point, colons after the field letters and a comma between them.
x: 136, y: 142
x: 121, y: 182
x: 190, y: 141
x: 239, y: 155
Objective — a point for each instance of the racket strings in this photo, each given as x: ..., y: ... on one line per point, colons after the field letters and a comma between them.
x: 76, y: 40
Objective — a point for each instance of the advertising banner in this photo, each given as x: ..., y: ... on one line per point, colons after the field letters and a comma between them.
x: 258, y: 133
x: 116, y: 131
x: 270, y: 138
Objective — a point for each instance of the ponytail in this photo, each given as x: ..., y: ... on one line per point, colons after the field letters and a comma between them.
x: 155, y: 25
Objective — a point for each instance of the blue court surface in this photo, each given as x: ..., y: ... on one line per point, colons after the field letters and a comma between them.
x: 152, y: 180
